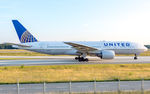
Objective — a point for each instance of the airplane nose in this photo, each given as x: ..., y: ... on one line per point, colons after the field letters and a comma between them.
x: 145, y: 48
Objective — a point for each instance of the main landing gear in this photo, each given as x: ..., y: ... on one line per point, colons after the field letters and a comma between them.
x: 81, y: 59
x: 135, y: 57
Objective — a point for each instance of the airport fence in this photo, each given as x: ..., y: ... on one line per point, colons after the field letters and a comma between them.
x: 112, y: 87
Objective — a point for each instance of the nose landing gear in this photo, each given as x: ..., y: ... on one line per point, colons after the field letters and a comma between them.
x: 135, y: 57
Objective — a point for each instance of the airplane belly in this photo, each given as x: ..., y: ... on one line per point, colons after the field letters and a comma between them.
x: 56, y: 51
x: 128, y: 51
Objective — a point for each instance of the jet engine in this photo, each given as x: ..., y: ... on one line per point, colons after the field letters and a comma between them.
x: 106, y: 54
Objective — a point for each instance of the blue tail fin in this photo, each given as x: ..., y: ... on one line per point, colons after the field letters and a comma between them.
x: 23, y: 34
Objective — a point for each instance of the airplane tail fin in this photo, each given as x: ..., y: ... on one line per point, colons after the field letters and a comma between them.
x: 23, y: 35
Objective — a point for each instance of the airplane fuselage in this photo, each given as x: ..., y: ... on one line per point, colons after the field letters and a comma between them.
x: 60, y: 48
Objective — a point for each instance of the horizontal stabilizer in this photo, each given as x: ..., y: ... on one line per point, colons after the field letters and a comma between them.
x: 19, y: 45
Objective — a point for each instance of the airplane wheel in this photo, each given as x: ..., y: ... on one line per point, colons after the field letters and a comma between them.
x: 76, y: 58
x: 135, y: 58
x: 86, y: 60
x: 82, y: 59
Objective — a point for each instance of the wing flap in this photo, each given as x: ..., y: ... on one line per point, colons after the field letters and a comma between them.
x: 81, y: 48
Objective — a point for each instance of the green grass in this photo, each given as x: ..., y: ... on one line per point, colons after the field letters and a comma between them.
x: 65, y: 73
x: 123, y: 92
x: 105, y: 92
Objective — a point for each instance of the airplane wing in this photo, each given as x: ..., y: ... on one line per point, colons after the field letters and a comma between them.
x: 81, y: 48
x: 19, y: 45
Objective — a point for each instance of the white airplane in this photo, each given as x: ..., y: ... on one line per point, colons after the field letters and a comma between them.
x: 101, y: 49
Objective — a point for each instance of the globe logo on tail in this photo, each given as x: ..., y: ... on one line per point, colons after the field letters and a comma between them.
x: 27, y: 37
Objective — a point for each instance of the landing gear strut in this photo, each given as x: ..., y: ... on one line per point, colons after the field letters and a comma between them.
x: 81, y: 59
x: 135, y: 58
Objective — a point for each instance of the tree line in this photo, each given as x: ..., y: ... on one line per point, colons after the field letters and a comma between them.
x: 5, y: 46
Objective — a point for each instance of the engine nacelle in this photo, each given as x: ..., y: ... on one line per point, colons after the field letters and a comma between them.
x: 107, y: 54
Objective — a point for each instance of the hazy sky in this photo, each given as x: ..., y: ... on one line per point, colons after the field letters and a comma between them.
x: 77, y: 20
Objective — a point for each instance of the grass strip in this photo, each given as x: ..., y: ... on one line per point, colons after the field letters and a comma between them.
x: 122, y: 92
x: 65, y: 73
